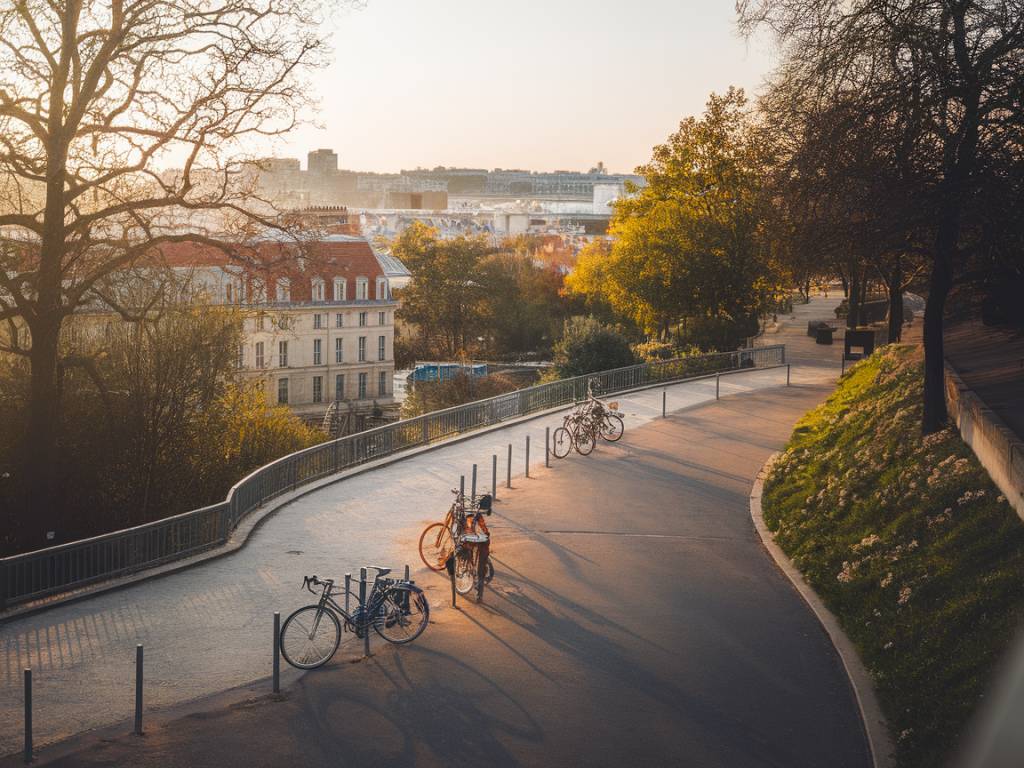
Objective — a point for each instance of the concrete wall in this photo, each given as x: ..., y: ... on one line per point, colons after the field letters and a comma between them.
x: 998, y: 449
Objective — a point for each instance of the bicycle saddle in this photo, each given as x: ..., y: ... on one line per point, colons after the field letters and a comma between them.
x: 380, y: 571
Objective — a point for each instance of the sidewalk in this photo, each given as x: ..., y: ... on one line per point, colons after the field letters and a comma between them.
x: 634, y: 620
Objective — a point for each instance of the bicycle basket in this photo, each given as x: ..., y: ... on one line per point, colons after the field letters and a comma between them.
x: 613, y: 406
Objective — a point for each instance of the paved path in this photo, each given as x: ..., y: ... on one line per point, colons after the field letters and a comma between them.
x: 207, y: 629
x: 635, y: 620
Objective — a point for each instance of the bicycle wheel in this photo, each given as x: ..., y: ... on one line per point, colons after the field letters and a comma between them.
x: 403, y: 614
x: 612, y: 427
x: 310, y: 636
x: 436, y: 546
x: 584, y: 439
x: 561, y: 443
x: 465, y: 572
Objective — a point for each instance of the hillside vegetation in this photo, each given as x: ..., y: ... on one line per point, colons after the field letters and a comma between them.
x: 909, y: 542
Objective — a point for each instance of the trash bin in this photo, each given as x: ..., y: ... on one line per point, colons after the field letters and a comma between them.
x: 824, y: 334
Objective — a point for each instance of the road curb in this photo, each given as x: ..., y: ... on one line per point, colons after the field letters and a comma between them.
x: 875, y: 726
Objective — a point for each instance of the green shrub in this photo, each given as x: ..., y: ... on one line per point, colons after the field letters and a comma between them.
x: 909, y: 542
x: 587, y: 346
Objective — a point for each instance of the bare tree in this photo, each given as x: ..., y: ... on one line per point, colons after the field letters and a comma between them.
x: 945, y: 76
x: 95, y: 99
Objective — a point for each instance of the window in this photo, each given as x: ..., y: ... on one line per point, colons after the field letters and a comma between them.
x: 362, y: 349
x: 317, y: 321
x: 362, y: 319
x: 318, y: 389
x: 259, y: 291
x: 259, y: 354
x: 382, y: 318
x: 317, y: 356
x: 318, y: 289
x: 339, y: 320
x: 339, y: 289
x: 339, y: 351
x: 241, y: 355
x: 284, y: 290
x: 362, y: 289
x: 282, y: 354
x: 362, y: 386
x: 282, y: 391
x: 382, y: 288
x: 339, y: 386
x: 260, y: 321
x: 229, y: 293
x: 382, y: 383
x: 381, y: 341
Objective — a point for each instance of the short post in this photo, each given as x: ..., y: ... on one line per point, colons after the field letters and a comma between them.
x: 527, y: 455
x: 406, y: 571
x: 138, y: 689
x: 348, y: 591
x: 547, y: 446
x: 28, y: 715
x: 462, y: 485
x: 664, y: 400
x: 363, y: 613
x: 718, y: 381
x: 494, y: 476
x: 472, y: 492
x: 277, y: 651
x: 787, y: 374
x: 508, y: 468
x: 405, y: 601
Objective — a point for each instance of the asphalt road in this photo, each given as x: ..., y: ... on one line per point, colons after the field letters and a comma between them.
x: 634, y: 620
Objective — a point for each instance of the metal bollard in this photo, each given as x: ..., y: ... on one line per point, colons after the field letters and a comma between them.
x: 787, y: 374
x: 664, y: 398
x: 407, y: 572
x: 348, y: 591
x: 462, y: 485
x: 527, y: 455
x: 508, y: 468
x: 364, y: 614
x: 28, y: 715
x: 138, y: 689
x: 494, y: 476
x: 718, y: 381
x: 277, y: 652
x: 547, y: 446
x: 472, y: 492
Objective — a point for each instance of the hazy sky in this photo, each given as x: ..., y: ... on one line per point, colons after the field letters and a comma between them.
x: 539, y: 84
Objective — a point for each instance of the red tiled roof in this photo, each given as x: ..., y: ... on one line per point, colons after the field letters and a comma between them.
x: 271, y: 261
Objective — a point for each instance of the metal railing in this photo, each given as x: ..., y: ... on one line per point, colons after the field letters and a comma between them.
x: 70, y: 566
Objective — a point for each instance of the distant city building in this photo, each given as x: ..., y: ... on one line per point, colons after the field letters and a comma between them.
x: 322, y: 161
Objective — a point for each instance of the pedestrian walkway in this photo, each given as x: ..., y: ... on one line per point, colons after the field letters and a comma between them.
x: 207, y: 629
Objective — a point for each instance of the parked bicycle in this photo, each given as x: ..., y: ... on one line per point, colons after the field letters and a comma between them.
x: 455, y: 537
x: 396, y: 609
x: 589, y: 421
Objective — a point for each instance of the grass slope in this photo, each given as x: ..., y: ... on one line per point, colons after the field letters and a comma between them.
x: 909, y: 542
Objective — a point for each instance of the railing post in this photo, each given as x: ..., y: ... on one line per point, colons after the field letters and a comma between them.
x: 364, y: 611
x: 494, y: 476
x: 508, y: 468
x: 348, y: 591
x: 138, y: 689
x: 472, y: 487
x: 527, y: 455
x: 28, y: 715
x: 426, y: 430
x: 547, y: 446
x: 277, y: 652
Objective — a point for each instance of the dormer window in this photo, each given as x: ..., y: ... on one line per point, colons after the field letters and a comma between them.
x: 318, y: 289
x: 382, y: 288
x: 284, y: 290
x: 259, y: 294
x: 362, y: 289
x: 340, y: 287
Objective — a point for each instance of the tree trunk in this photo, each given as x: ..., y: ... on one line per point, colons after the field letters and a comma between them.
x: 40, y: 505
x: 935, y: 413
x: 895, y: 286
x: 853, y: 301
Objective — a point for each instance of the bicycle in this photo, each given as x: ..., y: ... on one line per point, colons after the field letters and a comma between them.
x: 574, y: 433
x: 397, y: 610
x: 441, y: 541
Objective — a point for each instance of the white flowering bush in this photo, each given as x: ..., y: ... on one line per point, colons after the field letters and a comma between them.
x: 910, y: 544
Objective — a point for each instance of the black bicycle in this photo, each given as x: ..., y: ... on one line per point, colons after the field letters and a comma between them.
x: 396, y: 609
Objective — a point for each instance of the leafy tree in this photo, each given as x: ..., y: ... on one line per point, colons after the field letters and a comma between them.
x: 444, y: 296
x: 587, y: 346
x: 426, y: 396
x: 522, y: 309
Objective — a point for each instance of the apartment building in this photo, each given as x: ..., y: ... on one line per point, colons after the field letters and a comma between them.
x: 319, y: 322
